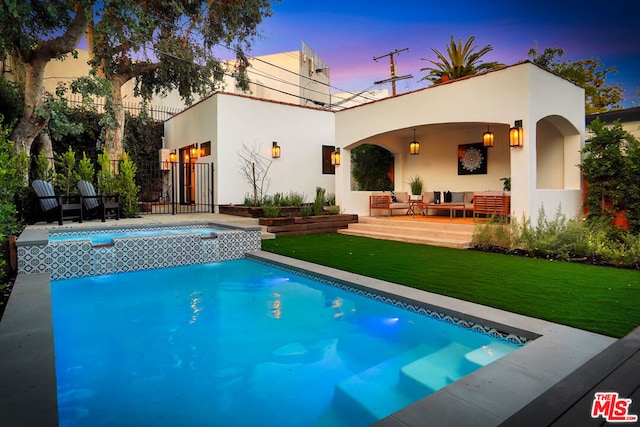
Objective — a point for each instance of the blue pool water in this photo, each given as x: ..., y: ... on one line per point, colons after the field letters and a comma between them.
x: 240, y: 343
x: 107, y: 236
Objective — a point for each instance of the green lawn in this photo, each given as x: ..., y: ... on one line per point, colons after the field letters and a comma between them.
x: 600, y: 299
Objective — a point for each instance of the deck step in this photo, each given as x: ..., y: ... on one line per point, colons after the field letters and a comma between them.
x: 440, y: 233
x: 374, y: 394
x: 436, y: 233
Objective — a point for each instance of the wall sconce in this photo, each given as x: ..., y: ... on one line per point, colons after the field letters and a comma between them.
x: 275, y: 150
x: 173, y: 156
x: 335, y: 157
x: 194, y: 152
x: 515, y: 134
x: 414, y: 146
x: 487, y: 138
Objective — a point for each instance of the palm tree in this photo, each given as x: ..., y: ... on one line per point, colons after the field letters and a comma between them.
x: 459, y: 62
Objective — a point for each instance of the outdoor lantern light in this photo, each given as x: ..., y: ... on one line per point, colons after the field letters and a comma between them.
x: 194, y: 152
x: 275, y: 150
x: 414, y: 146
x: 335, y: 157
x: 515, y: 134
x: 487, y: 138
x: 173, y: 156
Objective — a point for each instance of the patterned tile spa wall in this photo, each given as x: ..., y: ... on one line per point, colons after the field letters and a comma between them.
x: 65, y: 260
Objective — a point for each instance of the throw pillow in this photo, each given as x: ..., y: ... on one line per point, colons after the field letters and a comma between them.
x: 427, y: 197
x: 457, y: 197
x: 393, y: 197
x: 447, y: 196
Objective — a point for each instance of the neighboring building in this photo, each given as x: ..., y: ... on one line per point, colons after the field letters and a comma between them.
x: 446, y: 118
x: 57, y: 71
x: 296, y: 77
x: 629, y: 119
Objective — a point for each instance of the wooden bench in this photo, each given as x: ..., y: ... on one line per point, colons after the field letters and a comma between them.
x: 491, y: 204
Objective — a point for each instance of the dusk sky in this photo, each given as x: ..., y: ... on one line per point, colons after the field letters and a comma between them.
x: 347, y: 34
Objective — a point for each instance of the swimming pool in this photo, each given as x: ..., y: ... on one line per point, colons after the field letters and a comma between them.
x: 106, y: 236
x: 243, y: 343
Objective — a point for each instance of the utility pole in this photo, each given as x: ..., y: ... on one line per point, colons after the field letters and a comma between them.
x: 394, y: 77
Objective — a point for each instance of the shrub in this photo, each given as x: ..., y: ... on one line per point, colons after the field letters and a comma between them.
x: 279, y: 199
x: 319, y: 201
x: 127, y: 188
x: 305, y: 211
x: 13, y: 168
x: 67, y: 177
x: 498, y: 233
x: 106, y: 180
x: 331, y: 199
x: 43, y: 169
x: 86, y: 171
x: 333, y: 210
x: 295, y: 199
x: 271, y: 211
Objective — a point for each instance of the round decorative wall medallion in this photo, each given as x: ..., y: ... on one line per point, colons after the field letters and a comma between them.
x: 472, y: 159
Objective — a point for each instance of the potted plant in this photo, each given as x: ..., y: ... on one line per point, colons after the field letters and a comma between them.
x: 415, y: 184
x: 506, y: 184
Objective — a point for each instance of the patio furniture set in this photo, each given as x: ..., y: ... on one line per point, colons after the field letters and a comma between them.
x: 483, y: 203
x: 87, y: 205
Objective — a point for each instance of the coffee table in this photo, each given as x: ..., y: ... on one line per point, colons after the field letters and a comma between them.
x: 452, y: 207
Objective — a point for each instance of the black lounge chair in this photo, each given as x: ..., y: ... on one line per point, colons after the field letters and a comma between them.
x: 57, y: 206
x: 98, y: 204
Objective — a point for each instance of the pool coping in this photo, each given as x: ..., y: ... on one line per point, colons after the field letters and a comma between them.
x: 486, y: 397
x: 40, y: 235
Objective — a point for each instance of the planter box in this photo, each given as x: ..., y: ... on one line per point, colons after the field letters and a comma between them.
x: 240, y: 210
x: 308, y: 225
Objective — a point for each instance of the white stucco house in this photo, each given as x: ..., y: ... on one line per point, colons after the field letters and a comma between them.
x: 446, y: 118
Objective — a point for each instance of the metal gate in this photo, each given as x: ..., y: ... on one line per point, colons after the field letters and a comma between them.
x: 175, y: 187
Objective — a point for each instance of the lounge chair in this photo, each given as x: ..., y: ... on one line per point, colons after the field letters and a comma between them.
x: 56, y: 206
x: 98, y: 204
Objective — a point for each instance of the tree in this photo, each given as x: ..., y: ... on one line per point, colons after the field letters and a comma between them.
x: 370, y: 167
x: 168, y: 46
x: 254, y: 167
x: 610, y: 167
x: 589, y: 74
x: 36, y: 32
x: 460, y: 61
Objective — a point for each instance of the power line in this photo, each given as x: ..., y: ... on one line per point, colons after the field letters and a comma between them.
x: 197, y: 33
x: 394, y: 77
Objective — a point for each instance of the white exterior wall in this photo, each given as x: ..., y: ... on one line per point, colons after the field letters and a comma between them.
x: 455, y: 113
x: 561, y: 103
x: 229, y: 121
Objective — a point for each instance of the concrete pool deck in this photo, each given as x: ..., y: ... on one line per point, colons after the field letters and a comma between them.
x: 488, y: 397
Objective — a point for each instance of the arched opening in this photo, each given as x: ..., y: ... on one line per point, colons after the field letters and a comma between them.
x: 557, y: 154
x: 372, y: 168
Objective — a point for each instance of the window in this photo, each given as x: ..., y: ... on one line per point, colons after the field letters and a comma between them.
x: 327, y: 167
x: 205, y: 149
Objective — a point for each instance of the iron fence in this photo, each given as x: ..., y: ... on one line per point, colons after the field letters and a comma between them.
x: 172, y: 187
x: 175, y: 187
